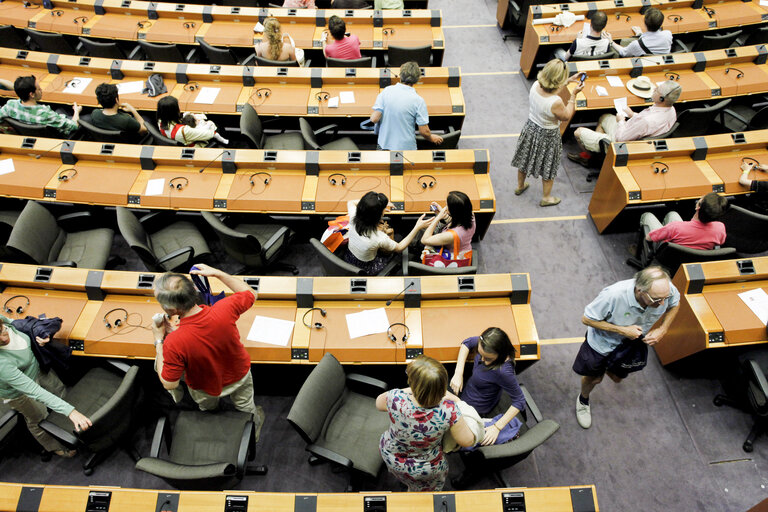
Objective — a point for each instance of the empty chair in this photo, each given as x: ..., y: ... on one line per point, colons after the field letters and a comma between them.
x: 165, y: 52
x: 50, y: 43
x: 695, y: 121
x: 363, y: 62
x: 339, y: 423
x: 72, y: 240
x: 746, y: 231
x: 163, y: 243
x: 450, y: 141
x: 33, y: 130
x: 262, y: 61
x: 759, y: 35
x: 706, y: 42
x: 251, y: 127
x: 11, y: 38
x: 9, y: 420
x: 399, y: 55
x: 335, y: 266
x: 101, y: 135
x: 223, y: 56
x: 310, y: 137
x: 742, y: 118
x: 419, y: 269
x: 258, y: 246
x: 109, y: 50
x: 205, y: 450
x: 7, y: 221
x: 108, y: 396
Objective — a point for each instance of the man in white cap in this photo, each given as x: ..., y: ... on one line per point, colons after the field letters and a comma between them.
x: 628, y: 125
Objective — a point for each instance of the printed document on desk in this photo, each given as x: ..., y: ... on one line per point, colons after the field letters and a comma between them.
x: 614, y: 81
x: 77, y: 85
x: 273, y: 331
x: 757, y: 301
x: 370, y: 321
x: 155, y: 187
x: 6, y: 166
x: 130, y: 87
x: 207, y: 95
x: 347, y: 96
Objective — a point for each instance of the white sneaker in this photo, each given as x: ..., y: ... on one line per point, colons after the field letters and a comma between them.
x: 583, y: 415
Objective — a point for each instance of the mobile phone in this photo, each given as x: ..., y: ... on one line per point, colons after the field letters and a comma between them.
x: 434, y: 207
x: 583, y: 77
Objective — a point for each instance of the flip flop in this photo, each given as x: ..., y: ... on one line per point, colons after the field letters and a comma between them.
x: 519, y: 191
x: 550, y: 203
x: 67, y: 454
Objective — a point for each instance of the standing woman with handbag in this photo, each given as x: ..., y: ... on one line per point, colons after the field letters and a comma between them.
x: 459, y: 219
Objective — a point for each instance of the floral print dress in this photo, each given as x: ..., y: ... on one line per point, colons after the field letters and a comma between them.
x: 412, y: 447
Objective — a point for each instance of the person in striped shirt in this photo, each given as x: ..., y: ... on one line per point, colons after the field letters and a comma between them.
x: 27, y: 109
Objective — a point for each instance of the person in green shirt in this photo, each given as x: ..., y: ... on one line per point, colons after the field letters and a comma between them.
x: 30, y: 391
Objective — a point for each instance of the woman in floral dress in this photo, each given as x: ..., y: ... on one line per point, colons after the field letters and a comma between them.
x: 421, y: 414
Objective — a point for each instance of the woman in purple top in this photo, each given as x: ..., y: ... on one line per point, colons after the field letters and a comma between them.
x: 493, y: 373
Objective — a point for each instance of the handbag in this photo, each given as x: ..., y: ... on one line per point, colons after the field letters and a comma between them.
x: 630, y: 356
x: 446, y: 258
x: 337, y: 233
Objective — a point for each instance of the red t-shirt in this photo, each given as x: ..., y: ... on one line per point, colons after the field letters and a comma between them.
x: 207, y: 347
x: 693, y: 234
x: 347, y: 48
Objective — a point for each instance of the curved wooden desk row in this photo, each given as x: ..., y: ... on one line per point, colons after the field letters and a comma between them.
x: 271, y: 91
x: 688, y: 168
x: 681, y: 17
x: 440, y: 312
x: 711, y: 314
x: 59, y: 498
x: 222, y: 25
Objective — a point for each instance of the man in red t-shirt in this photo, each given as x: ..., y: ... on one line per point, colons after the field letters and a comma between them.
x: 343, y: 46
x: 205, y: 347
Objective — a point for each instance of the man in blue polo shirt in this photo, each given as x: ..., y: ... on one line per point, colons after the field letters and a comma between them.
x: 400, y: 109
x: 625, y: 310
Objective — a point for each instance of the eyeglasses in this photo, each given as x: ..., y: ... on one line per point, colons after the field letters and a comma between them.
x: 652, y: 301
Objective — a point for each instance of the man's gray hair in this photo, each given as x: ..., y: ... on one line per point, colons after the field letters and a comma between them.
x: 410, y: 73
x: 175, y: 291
x: 646, y: 277
x: 671, y: 91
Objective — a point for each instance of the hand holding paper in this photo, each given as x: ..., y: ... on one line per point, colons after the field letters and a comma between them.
x: 620, y: 104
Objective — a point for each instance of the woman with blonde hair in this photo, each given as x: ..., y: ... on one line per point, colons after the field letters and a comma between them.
x: 275, y: 45
x: 540, y: 145
x: 421, y: 415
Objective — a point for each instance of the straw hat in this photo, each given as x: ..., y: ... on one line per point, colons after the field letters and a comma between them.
x: 641, y: 86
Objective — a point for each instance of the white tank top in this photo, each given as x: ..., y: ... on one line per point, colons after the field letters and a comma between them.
x: 540, y: 110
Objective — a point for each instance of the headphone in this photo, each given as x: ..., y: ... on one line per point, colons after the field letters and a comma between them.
x: 710, y: 12
x: 67, y: 177
x: 118, y: 322
x: 333, y: 181
x: 556, y: 28
x: 28, y: 5
x: 323, y: 96
x: 316, y: 325
x: 144, y: 24
x: 189, y: 24
x: 266, y: 92
x: 675, y: 17
x: 267, y: 180
x: 388, y: 31
x: 424, y: 184
x: 740, y: 72
x: 619, y: 15
x: 750, y: 160
x: 191, y: 86
x: 80, y: 19
x: 392, y: 336
x: 19, y: 310
x: 664, y: 169
x: 672, y: 76
x: 57, y: 12
x: 661, y: 96
x: 178, y: 186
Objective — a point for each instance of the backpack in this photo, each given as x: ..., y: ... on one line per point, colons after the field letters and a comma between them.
x: 155, y: 86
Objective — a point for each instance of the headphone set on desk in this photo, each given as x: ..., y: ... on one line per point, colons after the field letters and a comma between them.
x: 391, y: 335
x: 263, y: 91
x: 57, y: 12
x: 671, y: 76
x: 267, y: 180
x: 80, y: 19
x: 333, y: 181
x: 189, y: 24
x: 751, y: 161
x: 67, y: 177
x: 179, y: 185
x: 323, y: 96
x: 316, y: 325
x: 675, y: 18
x: 427, y: 184
x: 118, y: 322
x: 144, y: 24
x: 18, y: 310
x: 738, y: 75
x: 619, y: 16
x: 659, y: 167
x: 191, y: 86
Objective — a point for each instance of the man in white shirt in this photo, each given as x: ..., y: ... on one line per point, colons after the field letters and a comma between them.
x: 593, y: 43
x: 653, y: 41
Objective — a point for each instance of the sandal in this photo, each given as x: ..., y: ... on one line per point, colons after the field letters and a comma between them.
x: 519, y: 191
x: 555, y: 201
x: 67, y: 454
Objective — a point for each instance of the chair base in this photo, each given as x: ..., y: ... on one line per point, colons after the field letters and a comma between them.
x: 758, y: 429
x: 258, y: 470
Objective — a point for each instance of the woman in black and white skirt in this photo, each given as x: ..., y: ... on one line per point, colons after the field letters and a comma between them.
x: 540, y: 145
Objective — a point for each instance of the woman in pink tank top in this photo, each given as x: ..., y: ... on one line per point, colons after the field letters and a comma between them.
x: 458, y: 217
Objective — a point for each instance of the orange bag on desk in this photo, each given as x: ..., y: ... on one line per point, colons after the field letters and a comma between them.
x: 337, y: 233
x: 446, y: 258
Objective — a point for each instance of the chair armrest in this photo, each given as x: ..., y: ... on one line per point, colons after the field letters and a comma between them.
x: 327, y: 454
x: 679, y: 44
x: 355, y: 379
x: 758, y: 377
x: 161, y: 430
x: 136, y: 53
x: 307, y: 63
x: 153, y: 221
x: 278, y: 238
x: 67, y: 263
x: 326, y: 128
x: 249, y: 60
x: 78, y: 221
x: 192, y: 56
x: 67, y: 437
x: 527, y: 442
x: 7, y: 417
x: 242, y: 452
x: 171, y: 471
x: 531, y: 405
x: 119, y: 365
x: 178, y: 253
x: 373, y: 61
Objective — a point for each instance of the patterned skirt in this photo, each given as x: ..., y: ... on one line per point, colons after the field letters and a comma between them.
x: 538, y: 151
x: 372, y: 267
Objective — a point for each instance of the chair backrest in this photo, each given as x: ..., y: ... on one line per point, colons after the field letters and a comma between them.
x: 241, y: 246
x: 50, y: 43
x: 450, y: 141
x: 217, y: 55
x: 715, y: 41
x: 101, y: 135
x: 112, y: 420
x: 399, y: 55
x: 759, y: 121
x: 99, y: 49
x: 757, y: 36
x: 419, y: 269
x: 250, y: 125
x: 671, y: 256
x: 364, y: 62
x: 134, y: 233
x: 610, y: 54
x: 310, y: 140
x: 36, y: 234
x: 317, y: 396
x: 161, y: 52
x: 747, y: 231
x: 332, y: 264
x: 33, y: 130
x: 10, y: 37
x: 262, y: 61
x: 695, y: 121
x: 158, y: 139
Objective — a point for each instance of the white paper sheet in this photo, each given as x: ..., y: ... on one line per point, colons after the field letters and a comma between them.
x: 333, y: 102
x: 207, y: 95
x: 273, y: 331
x: 347, y: 96
x: 586, y: 30
x: 614, y: 81
x: 757, y: 301
x: 130, y: 87
x: 546, y: 21
x: 764, y: 3
x: 6, y: 166
x: 369, y: 321
x: 77, y: 85
x: 601, y: 91
x: 620, y: 104
x: 258, y: 27
x: 155, y: 187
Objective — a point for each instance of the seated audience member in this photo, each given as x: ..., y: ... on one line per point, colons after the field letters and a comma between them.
x: 299, y: 4
x: 110, y: 117
x: 349, y: 4
x: 26, y: 388
x: 388, y: 4
x: 456, y: 216
x: 371, y: 245
x: 275, y: 45
x: 492, y: 374
x: 399, y: 108
x: 199, y: 119
x: 759, y: 186
x: 169, y: 121
x: 342, y: 46
x: 593, y: 43
x: 27, y: 109
x: 703, y: 231
x: 420, y: 416
x: 653, y: 41
x: 629, y: 125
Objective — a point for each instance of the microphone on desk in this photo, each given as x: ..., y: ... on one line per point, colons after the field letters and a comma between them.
x: 389, y: 302
x: 49, y: 150
x: 400, y: 153
x: 209, y: 163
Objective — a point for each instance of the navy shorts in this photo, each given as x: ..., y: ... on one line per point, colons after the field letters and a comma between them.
x: 591, y: 363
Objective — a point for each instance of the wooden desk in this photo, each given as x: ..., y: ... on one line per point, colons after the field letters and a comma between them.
x: 711, y: 314
x: 697, y: 166
x: 60, y: 498
x: 86, y: 300
x: 187, y: 24
x: 680, y: 17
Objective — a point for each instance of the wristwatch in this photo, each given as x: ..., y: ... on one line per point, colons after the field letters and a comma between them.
x: 158, y: 342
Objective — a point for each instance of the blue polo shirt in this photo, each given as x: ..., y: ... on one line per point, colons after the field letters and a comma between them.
x: 402, y: 109
x: 617, y: 305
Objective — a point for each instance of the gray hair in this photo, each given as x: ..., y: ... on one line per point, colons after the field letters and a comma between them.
x: 645, y: 278
x: 175, y: 291
x: 670, y: 91
x: 410, y: 73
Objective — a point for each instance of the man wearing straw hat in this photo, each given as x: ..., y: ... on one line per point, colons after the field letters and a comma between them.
x: 627, y: 125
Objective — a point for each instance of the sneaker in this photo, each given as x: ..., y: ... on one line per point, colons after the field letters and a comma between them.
x: 576, y: 157
x: 583, y: 415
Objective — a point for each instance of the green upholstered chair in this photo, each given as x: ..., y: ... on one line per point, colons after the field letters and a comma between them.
x: 206, y: 450
x: 163, y: 243
x: 396, y: 56
x: 39, y: 237
x: 339, y: 423
x: 335, y: 266
x: 9, y: 420
x: 251, y: 127
x: 746, y: 231
x: 450, y: 141
x: 108, y: 395
x: 256, y: 246
x: 310, y: 138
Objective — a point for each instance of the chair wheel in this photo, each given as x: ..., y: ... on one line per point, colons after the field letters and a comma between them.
x: 45, y: 456
x: 88, y: 471
x: 748, y: 447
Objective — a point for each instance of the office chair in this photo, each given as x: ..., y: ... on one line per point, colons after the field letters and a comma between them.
x: 34, y: 130
x: 746, y: 231
x: 742, y: 118
x: 336, y: 415
x: 450, y: 141
x: 251, y: 127
x: 11, y: 38
x: 694, y: 122
x: 166, y: 52
x: 758, y: 35
x: 50, y: 42
x: 310, y: 138
x: 334, y: 265
x: 9, y: 421
x: 263, y: 61
x: 671, y: 256
x: 115, y: 136
x: 363, y: 62
x: 414, y: 268
x: 396, y: 56
x: 224, y: 56
x: 597, y: 159
x: 109, y: 50
x: 8, y: 219
x: 706, y: 42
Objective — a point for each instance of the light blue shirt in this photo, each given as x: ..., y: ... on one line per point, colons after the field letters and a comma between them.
x: 658, y: 43
x: 402, y: 109
x: 617, y: 305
